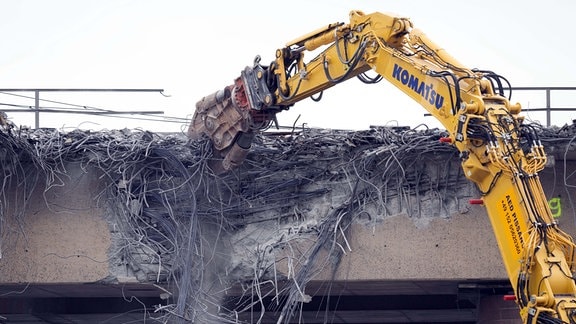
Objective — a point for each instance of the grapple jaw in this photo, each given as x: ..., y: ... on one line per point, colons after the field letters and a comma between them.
x: 230, y: 118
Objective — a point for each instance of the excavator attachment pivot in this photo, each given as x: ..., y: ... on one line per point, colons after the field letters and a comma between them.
x: 231, y: 116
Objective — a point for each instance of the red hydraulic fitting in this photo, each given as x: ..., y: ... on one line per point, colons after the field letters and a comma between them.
x: 476, y: 201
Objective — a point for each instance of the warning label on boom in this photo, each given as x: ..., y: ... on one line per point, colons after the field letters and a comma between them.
x: 512, y: 223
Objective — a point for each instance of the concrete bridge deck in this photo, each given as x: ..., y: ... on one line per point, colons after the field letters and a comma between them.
x: 364, y: 227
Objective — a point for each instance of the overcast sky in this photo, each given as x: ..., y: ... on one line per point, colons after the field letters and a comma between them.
x: 192, y: 48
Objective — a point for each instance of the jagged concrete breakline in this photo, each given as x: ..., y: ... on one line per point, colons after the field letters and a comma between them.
x: 270, y: 226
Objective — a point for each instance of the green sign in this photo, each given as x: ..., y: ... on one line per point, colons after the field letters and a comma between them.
x: 555, y: 206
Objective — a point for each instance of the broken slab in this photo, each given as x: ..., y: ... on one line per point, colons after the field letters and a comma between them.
x: 308, y: 206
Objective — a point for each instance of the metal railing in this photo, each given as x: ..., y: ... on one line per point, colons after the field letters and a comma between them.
x: 548, y: 109
x: 37, y: 109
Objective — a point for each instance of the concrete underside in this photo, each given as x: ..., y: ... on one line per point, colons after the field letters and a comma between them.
x: 58, y: 266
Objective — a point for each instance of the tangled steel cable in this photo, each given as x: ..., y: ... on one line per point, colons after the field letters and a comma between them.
x: 197, y: 233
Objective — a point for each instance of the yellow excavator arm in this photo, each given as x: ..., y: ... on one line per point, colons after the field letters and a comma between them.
x: 498, y: 151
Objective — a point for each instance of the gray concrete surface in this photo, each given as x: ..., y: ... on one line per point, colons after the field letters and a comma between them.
x: 62, y: 238
x: 66, y: 239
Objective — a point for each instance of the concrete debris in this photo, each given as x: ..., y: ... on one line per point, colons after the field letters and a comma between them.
x: 177, y: 224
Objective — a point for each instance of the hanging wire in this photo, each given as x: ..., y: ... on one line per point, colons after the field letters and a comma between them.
x: 199, y: 234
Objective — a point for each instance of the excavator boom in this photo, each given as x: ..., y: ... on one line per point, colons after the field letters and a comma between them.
x: 499, y: 153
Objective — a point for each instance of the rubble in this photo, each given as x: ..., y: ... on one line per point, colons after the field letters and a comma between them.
x: 176, y: 223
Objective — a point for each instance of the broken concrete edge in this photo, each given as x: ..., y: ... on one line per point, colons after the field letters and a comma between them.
x: 355, y: 240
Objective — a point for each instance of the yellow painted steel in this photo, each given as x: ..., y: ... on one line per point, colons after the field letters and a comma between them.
x: 483, y: 125
x: 537, y: 254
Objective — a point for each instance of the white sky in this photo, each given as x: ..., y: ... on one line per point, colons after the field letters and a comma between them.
x: 191, y: 48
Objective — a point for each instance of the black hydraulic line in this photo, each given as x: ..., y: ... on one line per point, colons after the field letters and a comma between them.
x: 317, y: 99
x: 369, y: 80
x: 358, y: 56
x: 443, y: 74
x: 293, y: 94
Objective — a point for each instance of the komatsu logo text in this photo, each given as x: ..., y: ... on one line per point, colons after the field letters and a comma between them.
x: 426, y: 91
